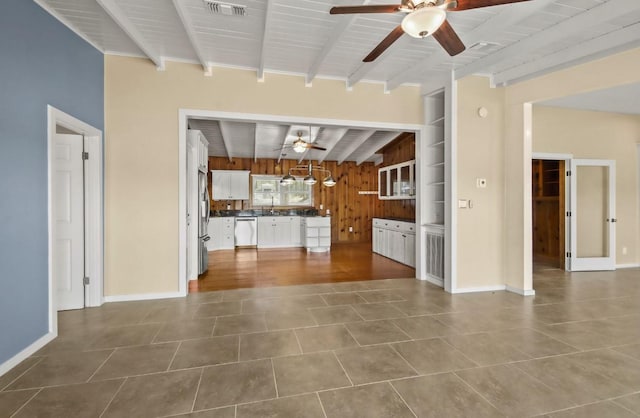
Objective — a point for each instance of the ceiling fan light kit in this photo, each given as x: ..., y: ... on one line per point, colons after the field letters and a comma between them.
x: 423, y: 22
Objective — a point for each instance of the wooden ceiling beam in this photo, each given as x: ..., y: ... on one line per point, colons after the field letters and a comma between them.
x: 120, y: 18
x: 226, y: 138
x: 193, y: 37
x: 381, y: 143
x: 267, y: 26
x: 355, y: 144
x: 331, y: 143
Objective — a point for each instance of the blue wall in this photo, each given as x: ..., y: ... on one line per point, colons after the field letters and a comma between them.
x: 41, y: 62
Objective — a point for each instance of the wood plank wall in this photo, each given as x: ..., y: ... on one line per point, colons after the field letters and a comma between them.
x: 348, y: 208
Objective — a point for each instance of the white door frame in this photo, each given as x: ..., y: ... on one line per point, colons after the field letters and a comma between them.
x: 593, y: 263
x: 94, y: 217
x: 185, y: 114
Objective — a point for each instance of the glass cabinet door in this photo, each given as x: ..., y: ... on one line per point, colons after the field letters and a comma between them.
x: 405, y: 180
x: 382, y: 183
x: 395, y: 185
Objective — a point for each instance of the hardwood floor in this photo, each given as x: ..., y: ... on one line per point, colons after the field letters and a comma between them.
x: 232, y: 269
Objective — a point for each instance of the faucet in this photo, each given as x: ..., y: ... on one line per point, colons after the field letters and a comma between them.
x: 271, y: 211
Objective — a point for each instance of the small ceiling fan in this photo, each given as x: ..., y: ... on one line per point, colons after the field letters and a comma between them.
x: 300, y: 145
x: 424, y: 18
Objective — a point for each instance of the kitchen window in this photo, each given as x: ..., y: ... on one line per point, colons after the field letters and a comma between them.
x: 267, y: 191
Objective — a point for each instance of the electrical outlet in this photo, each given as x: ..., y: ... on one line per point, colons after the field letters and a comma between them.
x: 350, y: 229
x: 321, y: 206
x: 481, y: 183
x: 624, y: 250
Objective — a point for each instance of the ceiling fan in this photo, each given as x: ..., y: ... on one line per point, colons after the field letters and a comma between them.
x: 300, y: 145
x: 424, y: 18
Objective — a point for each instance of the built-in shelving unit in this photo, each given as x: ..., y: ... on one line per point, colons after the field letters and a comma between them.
x: 435, y: 164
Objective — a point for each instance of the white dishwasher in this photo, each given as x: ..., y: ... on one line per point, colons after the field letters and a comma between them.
x: 246, y: 232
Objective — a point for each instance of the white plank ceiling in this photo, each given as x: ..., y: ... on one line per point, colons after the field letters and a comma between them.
x: 509, y: 43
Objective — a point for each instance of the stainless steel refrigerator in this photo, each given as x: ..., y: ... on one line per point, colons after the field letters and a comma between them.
x: 203, y: 215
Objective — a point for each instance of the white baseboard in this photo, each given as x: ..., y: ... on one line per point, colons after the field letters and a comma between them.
x: 627, y: 266
x: 27, y: 352
x: 143, y: 296
x: 521, y: 292
x: 496, y: 288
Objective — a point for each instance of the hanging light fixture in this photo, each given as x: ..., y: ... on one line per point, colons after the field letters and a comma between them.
x: 299, y: 145
x: 424, y: 21
x: 309, y: 179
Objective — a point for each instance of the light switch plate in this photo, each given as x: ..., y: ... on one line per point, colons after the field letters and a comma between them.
x: 463, y: 203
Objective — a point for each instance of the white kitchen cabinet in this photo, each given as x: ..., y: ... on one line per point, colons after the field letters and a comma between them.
x: 317, y: 233
x: 278, y: 231
x: 221, y: 231
x: 397, y: 181
x: 230, y: 184
x: 395, y: 240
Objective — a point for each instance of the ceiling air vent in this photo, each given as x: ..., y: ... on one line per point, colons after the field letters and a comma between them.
x: 484, y: 46
x: 227, y: 9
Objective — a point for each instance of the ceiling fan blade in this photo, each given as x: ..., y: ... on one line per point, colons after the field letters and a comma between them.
x: 382, y: 8
x: 317, y: 147
x: 448, y: 38
x: 386, y: 43
x: 475, y: 4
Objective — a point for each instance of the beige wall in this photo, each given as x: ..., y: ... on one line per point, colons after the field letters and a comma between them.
x: 599, y: 135
x: 480, y: 153
x: 141, y: 141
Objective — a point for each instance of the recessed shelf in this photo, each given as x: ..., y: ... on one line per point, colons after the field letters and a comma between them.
x: 436, y: 183
x: 440, y: 164
x: 437, y: 122
x: 437, y: 144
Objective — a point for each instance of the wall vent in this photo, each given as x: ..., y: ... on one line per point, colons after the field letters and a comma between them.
x: 227, y: 9
x: 434, y: 264
x: 484, y: 46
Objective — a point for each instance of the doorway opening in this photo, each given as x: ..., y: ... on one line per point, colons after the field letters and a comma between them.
x: 548, y: 212
x: 75, y: 214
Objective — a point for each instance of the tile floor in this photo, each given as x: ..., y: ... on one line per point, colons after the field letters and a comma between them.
x: 384, y: 348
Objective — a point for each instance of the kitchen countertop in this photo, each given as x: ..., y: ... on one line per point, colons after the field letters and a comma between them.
x: 259, y: 212
x: 400, y: 220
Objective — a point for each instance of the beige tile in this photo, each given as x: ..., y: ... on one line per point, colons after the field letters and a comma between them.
x: 433, y: 356
x: 185, y: 330
x: 335, y: 315
x: 329, y: 337
x: 229, y: 384
x: 125, y: 336
x: 71, y: 401
x: 307, y: 406
x: 207, y: 310
x: 63, y: 343
x: 376, y: 332
x: 420, y: 327
x: 485, y: 349
x: 611, y: 364
x: 418, y: 307
x: 174, y: 313
x: 576, y: 334
x: 569, y: 379
x: 283, y: 304
x: 239, y: 324
x: 61, y: 369
x: 268, y: 344
x: 532, y: 342
x: 351, y: 286
x: 11, y: 401
x: 308, y: 373
x: 631, y: 350
x: 229, y: 412
x: 17, y: 371
x: 347, y: 298
x: 374, y: 296
x: 631, y: 402
x: 288, y: 320
x: 206, y: 352
x: 513, y: 392
x: 131, y: 361
x: 443, y: 395
x: 383, y: 310
x: 372, y: 401
x: 373, y: 364
x: 606, y: 409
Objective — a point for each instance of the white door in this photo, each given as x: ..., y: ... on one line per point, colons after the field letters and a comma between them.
x: 68, y: 221
x: 593, y: 219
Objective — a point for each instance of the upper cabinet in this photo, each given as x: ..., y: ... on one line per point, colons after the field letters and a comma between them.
x: 230, y: 184
x: 397, y: 181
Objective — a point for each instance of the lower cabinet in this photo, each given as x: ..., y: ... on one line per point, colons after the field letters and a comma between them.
x: 395, y: 240
x: 221, y: 231
x: 278, y: 231
x: 317, y: 233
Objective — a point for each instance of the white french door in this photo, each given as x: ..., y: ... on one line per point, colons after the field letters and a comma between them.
x: 592, y: 240
x: 68, y: 221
